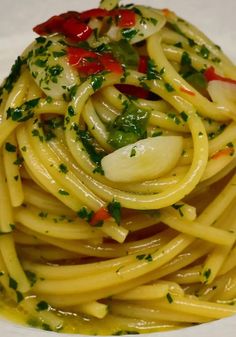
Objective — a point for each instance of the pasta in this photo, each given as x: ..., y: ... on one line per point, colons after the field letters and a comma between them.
x: 117, y: 175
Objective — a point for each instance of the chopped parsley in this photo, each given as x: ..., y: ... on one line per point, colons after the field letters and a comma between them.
x: 71, y: 111
x: 63, y: 192
x: 19, y: 296
x: 12, y: 283
x: 207, y: 274
x: 204, y: 52
x: 184, y: 116
x: 186, y: 59
x: 174, y: 117
x: 147, y: 257
x: 88, y: 143
x: 129, y: 33
x: 125, y: 53
x: 114, y: 209
x: 178, y: 207
x: 63, y: 168
x: 23, y: 112
x: 97, y: 81
x: 128, y: 127
x: 10, y: 147
x: 19, y: 161
x: 13, y: 76
x: 133, y: 152
x: 169, y: 87
x: 84, y: 213
x: 169, y: 298
x: 31, y: 277
x: 42, y: 306
x: 152, y: 72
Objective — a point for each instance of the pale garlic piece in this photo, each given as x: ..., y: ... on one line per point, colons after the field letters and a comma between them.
x: 148, y: 22
x: 146, y: 159
x: 224, y: 95
x: 50, y: 68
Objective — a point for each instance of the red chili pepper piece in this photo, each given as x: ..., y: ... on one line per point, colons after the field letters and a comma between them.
x: 143, y: 64
x: 110, y: 63
x: 101, y: 215
x: 131, y: 90
x: 186, y: 91
x: 52, y: 25
x: 222, y: 153
x: 89, y: 62
x: 211, y: 75
x: 126, y: 17
x: 76, y: 30
x: 85, y: 61
x: 94, y: 13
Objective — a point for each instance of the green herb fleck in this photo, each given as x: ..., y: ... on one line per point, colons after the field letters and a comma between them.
x: 12, y: 283
x: 10, y: 147
x: 185, y: 59
x: 31, y: 277
x: 63, y: 168
x: 169, y: 298
x: 42, y: 306
x: 178, y: 207
x: 204, y: 52
x: 206, y: 274
x: 184, y: 116
x: 84, y: 213
x: 23, y: 112
x: 129, y: 33
x: 133, y: 151
x: 169, y: 87
x: 114, y: 209
x: 63, y: 192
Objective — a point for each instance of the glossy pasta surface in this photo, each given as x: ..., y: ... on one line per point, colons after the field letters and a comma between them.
x: 117, y: 175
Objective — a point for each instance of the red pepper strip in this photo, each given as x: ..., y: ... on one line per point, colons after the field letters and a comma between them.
x: 94, y: 13
x: 186, y: 91
x: 222, y: 153
x: 211, y: 75
x: 85, y: 61
x: 88, y: 62
x: 110, y: 64
x: 126, y: 17
x: 166, y: 11
x: 131, y: 90
x: 76, y: 30
x: 101, y: 215
x: 53, y: 25
x: 143, y: 64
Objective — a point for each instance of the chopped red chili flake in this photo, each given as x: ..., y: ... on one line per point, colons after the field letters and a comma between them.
x: 89, y: 62
x: 101, y: 215
x: 131, y: 90
x: 143, y: 64
x: 222, y: 153
x: 187, y: 91
x: 211, y: 75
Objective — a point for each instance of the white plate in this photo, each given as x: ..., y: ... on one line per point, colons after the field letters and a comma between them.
x: 17, y: 17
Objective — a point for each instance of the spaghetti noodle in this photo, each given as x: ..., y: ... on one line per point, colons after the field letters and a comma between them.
x: 117, y: 175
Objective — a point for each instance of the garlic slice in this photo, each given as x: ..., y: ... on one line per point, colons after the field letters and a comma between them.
x: 144, y: 160
x: 50, y: 68
x: 224, y: 94
x: 148, y: 22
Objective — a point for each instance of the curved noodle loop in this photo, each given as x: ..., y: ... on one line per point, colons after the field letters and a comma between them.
x: 117, y: 175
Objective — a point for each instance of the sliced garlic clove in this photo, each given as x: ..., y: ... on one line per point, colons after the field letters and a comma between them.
x: 50, y: 68
x: 144, y: 160
x: 224, y: 95
x: 148, y: 22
